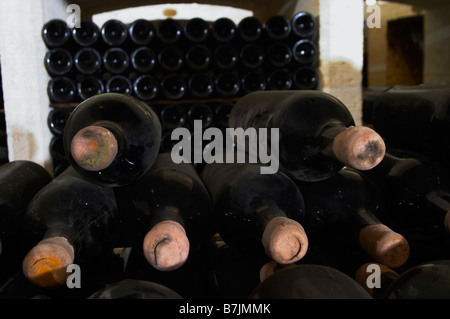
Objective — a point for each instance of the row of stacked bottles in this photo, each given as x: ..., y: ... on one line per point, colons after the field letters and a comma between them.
x: 140, y: 225
x: 185, y: 69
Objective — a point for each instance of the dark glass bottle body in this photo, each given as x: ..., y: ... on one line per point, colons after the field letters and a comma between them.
x: 56, y: 120
x: 309, y: 281
x: 142, y: 32
x: 196, y: 30
x: 135, y: 289
x: 415, y: 118
x: 245, y: 201
x: 278, y: 27
x: 20, y: 181
x: 135, y: 126
x: 153, y: 201
x: 58, y: 62
x: 304, y: 25
x: 84, y: 213
x: 114, y: 32
x: 346, y: 206
x: 301, y: 117
x: 90, y: 86
x: 119, y: 84
x: 88, y: 61
x: 61, y: 89
x: 56, y: 33
x: 87, y: 35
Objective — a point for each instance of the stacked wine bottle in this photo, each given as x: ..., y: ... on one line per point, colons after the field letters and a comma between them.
x: 185, y: 69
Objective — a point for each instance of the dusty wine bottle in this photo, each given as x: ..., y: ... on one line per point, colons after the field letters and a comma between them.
x: 252, y: 56
x: 173, y: 225
x: 69, y: 219
x: 348, y: 202
x: 317, y: 133
x: 430, y: 280
x: 20, y: 181
x: 309, y: 281
x: 226, y: 56
x: 305, y: 52
x: 415, y: 118
x: 112, y: 138
x: 135, y: 289
x: 251, y: 208
x: 171, y: 59
x: 416, y: 190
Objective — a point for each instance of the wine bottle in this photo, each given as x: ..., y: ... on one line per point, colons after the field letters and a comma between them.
x: 171, y: 59
x: 309, y: 281
x: 347, y: 204
x: 173, y: 225
x: 198, y: 57
x: 116, y: 60
x: 114, y: 32
x: 304, y: 25
x: 253, y: 210
x: 135, y: 289
x: 253, y: 81
x: 61, y: 90
x: 250, y: 29
x: 145, y: 87
x: 223, y: 30
x: 58, y: 62
x: 56, y: 33
x: 88, y: 61
x: 429, y: 280
x: 119, y: 84
x: 415, y: 118
x: 87, y: 35
x: 227, y: 84
x: 416, y: 189
x: 70, y: 219
x: 317, y: 134
x: 169, y: 31
x: 279, y: 54
x: 305, y: 52
x: 143, y: 60
x: 279, y: 80
x: 173, y: 86
x: 278, y: 28
x: 200, y: 111
x: 56, y: 120
x: 305, y: 78
x: 112, y: 138
x: 90, y: 86
x: 196, y: 30
x: 20, y: 181
x: 200, y: 85
x: 252, y: 56
x: 173, y: 116
x: 226, y: 57
x: 142, y: 32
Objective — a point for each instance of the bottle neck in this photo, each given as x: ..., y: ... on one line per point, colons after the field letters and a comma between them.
x: 442, y: 206
x: 264, y: 214
x: 328, y: 134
